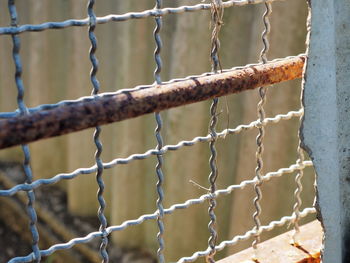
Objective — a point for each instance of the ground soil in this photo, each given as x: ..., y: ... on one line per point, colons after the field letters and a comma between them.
x: 54, y: 199
x: 9, y: 244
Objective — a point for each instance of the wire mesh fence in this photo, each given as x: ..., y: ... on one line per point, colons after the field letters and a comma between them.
x: 47, y: 120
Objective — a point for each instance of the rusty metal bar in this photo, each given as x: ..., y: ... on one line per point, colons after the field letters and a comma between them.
x: 129, y: 104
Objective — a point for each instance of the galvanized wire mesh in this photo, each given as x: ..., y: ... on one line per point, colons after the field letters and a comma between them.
x: 217, y: 7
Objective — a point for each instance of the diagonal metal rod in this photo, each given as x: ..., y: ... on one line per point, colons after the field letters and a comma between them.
x: 117, y: 107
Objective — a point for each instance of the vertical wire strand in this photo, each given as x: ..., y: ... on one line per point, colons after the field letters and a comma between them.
x: 217, y: 13
x: 99, y: 148
x: 26, y: 152
x: 300, y: 152
x: 212, y: 181
x: 261, y: 129
x: 297, y: 194
x: 159, y: 172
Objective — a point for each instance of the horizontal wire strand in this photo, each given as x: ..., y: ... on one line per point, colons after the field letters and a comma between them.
x: 221, y: 246
x: 152, y: 152
x: 122, y: 17
x: 250, y: 234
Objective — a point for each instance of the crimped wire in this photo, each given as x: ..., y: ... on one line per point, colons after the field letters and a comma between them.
x: 297, y: 193
x: 291, y: 169
x: 264, y: 37
x: 159, y: 172
x: 300, y: 152
x: 24, y: 111
x: 96, y: 87
x: 252, y: 233
x: 147, y: 154
x: 217, y: 12
x: 160, y: 212
x: 123, y: 17
x: 212, y: 180
x: 92, y: 21
x: 260, y: 137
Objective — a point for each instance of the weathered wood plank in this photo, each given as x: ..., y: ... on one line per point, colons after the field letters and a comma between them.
x: 280, y: 249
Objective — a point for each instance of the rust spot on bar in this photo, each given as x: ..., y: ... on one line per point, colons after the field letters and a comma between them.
x: 82, y: 115
x: 312, y: 258
x: 316, y: 258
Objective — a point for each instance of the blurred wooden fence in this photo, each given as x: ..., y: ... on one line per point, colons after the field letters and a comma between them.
x: 56, y: 67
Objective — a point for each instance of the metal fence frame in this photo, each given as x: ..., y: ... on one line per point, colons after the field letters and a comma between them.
x: 216, y: 7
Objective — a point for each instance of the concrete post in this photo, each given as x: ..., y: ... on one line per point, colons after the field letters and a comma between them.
x: 326, y: 126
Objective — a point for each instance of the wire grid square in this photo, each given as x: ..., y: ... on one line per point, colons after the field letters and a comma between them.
x: 92, y: 21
